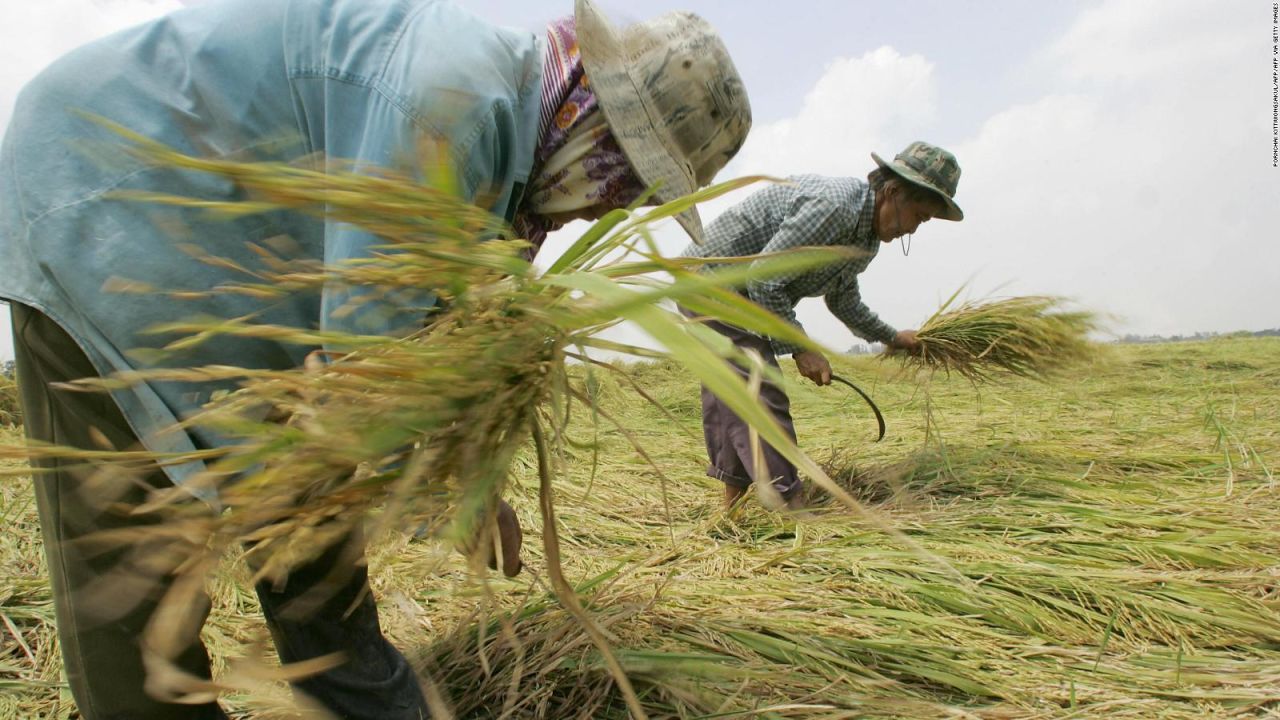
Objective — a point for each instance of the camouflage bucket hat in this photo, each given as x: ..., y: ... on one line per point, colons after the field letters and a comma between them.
x: 672, y: 97
x: 930, y: 167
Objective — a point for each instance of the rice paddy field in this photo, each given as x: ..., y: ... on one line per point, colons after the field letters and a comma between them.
x: 1106, y: 544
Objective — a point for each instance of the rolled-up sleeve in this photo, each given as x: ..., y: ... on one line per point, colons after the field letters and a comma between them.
x: 847, y: 305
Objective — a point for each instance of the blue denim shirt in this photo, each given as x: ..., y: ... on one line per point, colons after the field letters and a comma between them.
x: 359, y: 80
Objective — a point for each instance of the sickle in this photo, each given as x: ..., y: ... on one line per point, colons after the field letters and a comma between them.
x: 874, y: 409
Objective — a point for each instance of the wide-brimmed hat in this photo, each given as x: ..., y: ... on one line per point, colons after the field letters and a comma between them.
x: 930, y: 167
x: 672, y: 98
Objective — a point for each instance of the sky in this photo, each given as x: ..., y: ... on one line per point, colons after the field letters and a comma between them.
x: 1116, y: 152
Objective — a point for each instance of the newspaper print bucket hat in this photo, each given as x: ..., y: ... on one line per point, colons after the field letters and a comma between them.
x: 671, y: 95
x: 932, y: 168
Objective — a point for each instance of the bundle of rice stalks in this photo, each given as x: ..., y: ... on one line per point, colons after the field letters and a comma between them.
x: 1030, y: 336
x: 415, y: 431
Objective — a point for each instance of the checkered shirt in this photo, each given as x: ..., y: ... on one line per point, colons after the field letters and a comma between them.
x: 810, y: 211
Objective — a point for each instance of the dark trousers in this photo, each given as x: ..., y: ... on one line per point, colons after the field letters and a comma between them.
x: 728, y: 436
x: 100, y: 621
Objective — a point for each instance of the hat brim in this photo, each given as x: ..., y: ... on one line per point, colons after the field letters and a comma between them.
x: 651, y: 153
x: 952, y: 211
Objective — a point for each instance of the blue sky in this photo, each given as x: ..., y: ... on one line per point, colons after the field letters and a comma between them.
x: 1115, y: 151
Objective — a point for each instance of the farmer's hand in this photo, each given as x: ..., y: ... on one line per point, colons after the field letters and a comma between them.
x: 510, y: 538
x: 814, y: 365
x: 906, y: 340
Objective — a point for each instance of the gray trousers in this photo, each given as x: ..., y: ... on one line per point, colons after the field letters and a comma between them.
x: 727, y: 436
x: 99, y: 642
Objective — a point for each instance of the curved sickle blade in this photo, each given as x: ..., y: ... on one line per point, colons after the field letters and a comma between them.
x: 874, y: 409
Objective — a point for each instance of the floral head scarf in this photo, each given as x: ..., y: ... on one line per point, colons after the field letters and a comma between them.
x: 578, y: 163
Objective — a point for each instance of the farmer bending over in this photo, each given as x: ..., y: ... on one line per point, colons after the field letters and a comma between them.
x: 367, y: 81
x: 813, y: 210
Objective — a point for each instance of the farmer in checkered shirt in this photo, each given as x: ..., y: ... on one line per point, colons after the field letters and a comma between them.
x: 813, y: 210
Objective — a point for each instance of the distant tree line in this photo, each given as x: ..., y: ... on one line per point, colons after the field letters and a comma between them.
x: 1133, y: 338
x: 860, y: 349
x: 873, y: 348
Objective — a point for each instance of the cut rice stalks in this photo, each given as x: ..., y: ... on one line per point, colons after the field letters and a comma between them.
x: 1029, y: 336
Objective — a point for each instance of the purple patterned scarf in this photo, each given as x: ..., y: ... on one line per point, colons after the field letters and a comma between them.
x: 577, y: 163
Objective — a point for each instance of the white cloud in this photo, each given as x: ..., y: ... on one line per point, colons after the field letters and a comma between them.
x: 1139, y: 182
x: 1121, y: 42
x: 35, y: 33
x: 858, y: 105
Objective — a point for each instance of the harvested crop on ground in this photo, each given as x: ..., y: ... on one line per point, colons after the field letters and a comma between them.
x: 1119, y: 529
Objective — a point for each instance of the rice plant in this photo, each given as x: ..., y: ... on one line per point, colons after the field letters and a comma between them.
x: 418, y: 431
